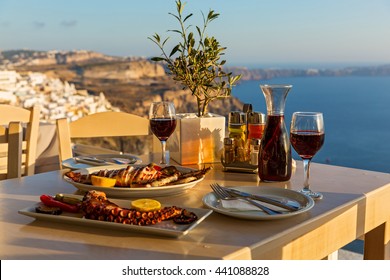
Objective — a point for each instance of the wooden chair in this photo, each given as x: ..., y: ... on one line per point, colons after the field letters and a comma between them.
x: 18, y: 140
x: 105, y: 124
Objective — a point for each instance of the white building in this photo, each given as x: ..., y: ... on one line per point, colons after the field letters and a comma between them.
x: 8, y: 79
x: 57, y: 99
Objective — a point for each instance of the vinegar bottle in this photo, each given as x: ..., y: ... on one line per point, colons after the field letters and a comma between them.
x: 255, y: 127
x: 275, y: 160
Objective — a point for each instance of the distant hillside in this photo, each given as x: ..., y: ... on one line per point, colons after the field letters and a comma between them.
x: 260, y: 74
x: 94, y: 61
x: 41, y: 58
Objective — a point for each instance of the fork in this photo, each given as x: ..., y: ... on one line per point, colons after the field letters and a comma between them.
x: 221, y: 193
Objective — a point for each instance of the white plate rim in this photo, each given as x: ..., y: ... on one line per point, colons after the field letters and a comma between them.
x: 210, y: 201
x: 158, y: 229
x: 133, y: 192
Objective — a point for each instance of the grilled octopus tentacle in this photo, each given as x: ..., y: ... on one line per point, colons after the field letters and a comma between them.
x: 96, y: 206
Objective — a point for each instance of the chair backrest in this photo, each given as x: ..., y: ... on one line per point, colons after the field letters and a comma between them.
x: 105, y: 124
x: 18, y: 140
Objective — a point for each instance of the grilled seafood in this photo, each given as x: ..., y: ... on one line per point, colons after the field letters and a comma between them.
x: 150, y: 175
x: 96, y: 206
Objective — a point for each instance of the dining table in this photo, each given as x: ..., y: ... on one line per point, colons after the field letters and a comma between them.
x: 355, y: 205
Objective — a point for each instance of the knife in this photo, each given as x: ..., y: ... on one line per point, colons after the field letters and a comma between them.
x: 265, y: 199
x: 91, y: 160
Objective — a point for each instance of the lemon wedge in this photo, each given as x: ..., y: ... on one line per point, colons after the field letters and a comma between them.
x: 145, y: 204
x: 102, y: 181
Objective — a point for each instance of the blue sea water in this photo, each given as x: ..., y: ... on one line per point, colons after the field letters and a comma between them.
x: 356, y: 114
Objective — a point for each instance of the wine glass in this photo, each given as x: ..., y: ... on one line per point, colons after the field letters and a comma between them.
x: 307, y: 135
x: 162, y: 118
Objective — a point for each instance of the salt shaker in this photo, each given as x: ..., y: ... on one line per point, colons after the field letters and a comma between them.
x: 254, y: 151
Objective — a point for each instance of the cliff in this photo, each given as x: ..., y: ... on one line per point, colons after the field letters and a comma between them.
x: 129, y: 84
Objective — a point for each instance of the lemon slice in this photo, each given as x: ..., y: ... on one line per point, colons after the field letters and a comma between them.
x: 102, y: 181
x: 145, y: 204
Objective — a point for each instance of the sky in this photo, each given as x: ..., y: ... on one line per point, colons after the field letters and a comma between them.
x: 255, y: 32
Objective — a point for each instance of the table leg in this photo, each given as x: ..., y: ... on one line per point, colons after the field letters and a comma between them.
x: 377, y: 243
x: 332, y: 256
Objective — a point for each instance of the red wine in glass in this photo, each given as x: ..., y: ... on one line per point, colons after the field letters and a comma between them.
x: 162, y: 119
x: 307, y: 143
x: 307, y: 135
x: 162, y: 128
x: 275, y: 156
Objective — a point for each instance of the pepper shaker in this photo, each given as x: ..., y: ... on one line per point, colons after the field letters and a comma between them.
x: 228, y: 150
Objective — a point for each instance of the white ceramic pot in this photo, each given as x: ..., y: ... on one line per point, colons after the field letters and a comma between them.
x: 196, y: 140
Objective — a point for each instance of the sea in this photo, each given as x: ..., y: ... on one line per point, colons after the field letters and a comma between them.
x: 356, y: 114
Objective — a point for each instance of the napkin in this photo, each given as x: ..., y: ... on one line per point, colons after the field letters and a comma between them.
x: 238, y: 205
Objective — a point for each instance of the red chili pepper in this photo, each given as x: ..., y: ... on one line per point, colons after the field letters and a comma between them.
x: 51, y: 202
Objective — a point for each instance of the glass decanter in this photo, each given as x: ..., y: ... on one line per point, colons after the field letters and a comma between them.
x: 275, y: 161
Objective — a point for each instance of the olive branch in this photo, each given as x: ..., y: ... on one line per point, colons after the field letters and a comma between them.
x: 196, y: 63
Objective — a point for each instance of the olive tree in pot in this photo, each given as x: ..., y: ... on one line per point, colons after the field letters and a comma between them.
x: 195, y: 62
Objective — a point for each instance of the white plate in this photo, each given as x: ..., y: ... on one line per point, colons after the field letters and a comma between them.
x: 305, y: 202
x: 165, y: 228
x: 108, y: 158
x: 133, y: 192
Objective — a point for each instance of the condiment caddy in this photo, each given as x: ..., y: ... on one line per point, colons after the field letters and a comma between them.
x: 241, y: 147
